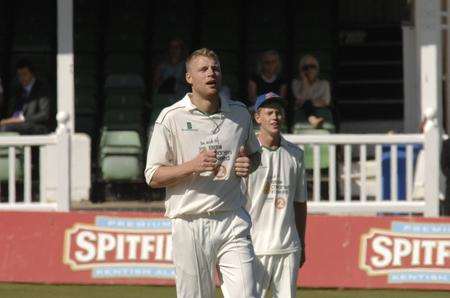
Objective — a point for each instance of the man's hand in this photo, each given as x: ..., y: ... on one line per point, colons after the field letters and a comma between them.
x: 12, y: 120
x: 205, y: 161
x: 242, y: 163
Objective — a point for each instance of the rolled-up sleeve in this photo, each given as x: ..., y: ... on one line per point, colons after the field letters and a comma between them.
x: 160, y: 152
x: 252, y: 144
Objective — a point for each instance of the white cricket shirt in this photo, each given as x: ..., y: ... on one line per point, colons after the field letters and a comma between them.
x: 180, y: 133
x: 272, y: 190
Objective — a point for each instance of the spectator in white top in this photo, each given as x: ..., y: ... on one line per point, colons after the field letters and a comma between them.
x: 310, y: 92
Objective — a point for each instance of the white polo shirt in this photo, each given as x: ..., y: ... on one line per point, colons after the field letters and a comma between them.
x: 272, y: 190
x: 180, y: 133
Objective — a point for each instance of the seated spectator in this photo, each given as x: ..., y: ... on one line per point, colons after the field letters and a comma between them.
x: 169, y: 75
x: 310, y: 92
x: 268, y: 77
x: 32, y: 104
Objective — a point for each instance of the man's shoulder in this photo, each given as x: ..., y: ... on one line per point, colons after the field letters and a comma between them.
x: 236, y: 105
x: 170, y: 111
x: 40, y: 87
x: 292, y: 148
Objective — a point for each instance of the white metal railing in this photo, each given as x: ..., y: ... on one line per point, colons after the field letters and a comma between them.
x: 375, y: 202
x: 60, y: 139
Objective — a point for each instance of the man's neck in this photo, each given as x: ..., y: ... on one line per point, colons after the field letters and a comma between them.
x: 268, y: 140
x: 206, y: 105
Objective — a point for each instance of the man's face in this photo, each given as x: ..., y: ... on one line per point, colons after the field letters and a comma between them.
x: 205, y: 76
x: 270, y: 64
x: 25, y: 76
x: 175, y: 49
x: 312, y: 68
x: 270, y: 118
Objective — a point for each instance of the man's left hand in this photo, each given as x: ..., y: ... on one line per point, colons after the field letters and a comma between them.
x: 12, y: 120
x: 243, y: 163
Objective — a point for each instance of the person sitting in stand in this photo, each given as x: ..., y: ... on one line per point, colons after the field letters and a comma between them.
x: 168, y: 77
x: 268, y: 77
x: 32, y: 106
x: 310, y: 92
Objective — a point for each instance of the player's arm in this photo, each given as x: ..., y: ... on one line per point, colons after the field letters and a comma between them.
x: 300, y: 206
x: 300, y: 210
x: 168, y: 175
x: 247, y: 163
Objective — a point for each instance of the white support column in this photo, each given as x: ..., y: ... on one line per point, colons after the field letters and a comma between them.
x: 429, y: 45
x: 64, y: 153
x: 429, y: 49
x: 411, y: 87
x: 65, y: 67
x: 432, y: 140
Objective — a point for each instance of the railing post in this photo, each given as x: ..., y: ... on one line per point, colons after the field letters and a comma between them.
x: 431, y: 146
x: 63, y: 145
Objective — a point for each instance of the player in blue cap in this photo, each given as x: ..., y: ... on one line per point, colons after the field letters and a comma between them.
x: 276, y: 194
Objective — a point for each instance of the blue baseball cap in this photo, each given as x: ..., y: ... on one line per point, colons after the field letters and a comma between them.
x: 269, y: 97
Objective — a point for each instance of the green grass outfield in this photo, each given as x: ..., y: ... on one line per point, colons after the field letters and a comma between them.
x: 51, y: 291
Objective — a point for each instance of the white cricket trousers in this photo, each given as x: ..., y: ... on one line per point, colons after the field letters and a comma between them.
x: 279, y: 273
x: 222, y: 239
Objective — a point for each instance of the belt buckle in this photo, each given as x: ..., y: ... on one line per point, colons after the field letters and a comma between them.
x: 211, y: 213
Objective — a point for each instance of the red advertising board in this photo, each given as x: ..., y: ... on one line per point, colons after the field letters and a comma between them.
x: 136, y: 248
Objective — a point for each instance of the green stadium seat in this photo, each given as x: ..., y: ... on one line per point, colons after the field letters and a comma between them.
x: 120, y: 156
x: 121, y: 168
x: 123, y: 119
x: 123, y: 100
x: 120, y: 139
x: 4, y: 159
x: 309, y: 153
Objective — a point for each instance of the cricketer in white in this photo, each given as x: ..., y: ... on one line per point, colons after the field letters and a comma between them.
x: 276, y: 194
x: 200, y: 149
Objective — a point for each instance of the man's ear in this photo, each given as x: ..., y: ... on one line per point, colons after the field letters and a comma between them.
x: 257, y: 117
x: 188, y: 78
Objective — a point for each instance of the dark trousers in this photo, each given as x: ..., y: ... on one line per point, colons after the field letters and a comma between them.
x: 309, y: 108
x: 25, y: 128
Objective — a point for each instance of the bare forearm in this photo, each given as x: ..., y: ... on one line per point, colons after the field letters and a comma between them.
x: 169, y: 175
x: 321, y: 103
x: 300, y: 210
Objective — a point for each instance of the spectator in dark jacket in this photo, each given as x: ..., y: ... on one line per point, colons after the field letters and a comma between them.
x: 31, y: 113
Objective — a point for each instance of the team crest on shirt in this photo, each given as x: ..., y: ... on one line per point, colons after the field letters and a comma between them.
x: 280, y: 203
x: 189, y: 127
